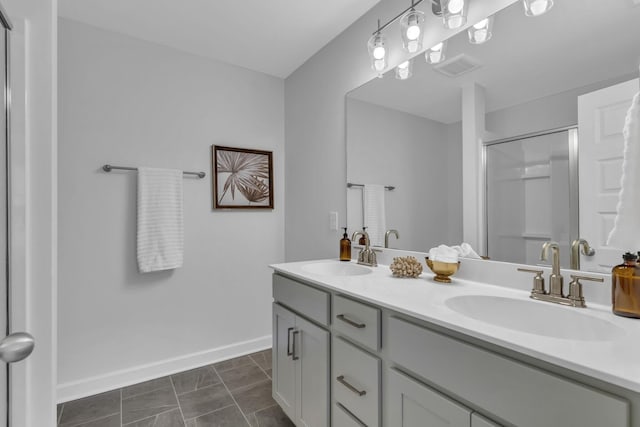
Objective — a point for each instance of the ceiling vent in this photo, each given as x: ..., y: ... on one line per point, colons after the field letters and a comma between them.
x: 457, y: 66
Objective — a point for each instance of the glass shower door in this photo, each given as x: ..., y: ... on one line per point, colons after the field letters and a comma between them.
x: 529, y: 196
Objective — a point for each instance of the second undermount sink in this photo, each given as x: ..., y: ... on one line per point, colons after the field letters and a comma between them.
x: 336, y: 268
x: 534, y: 317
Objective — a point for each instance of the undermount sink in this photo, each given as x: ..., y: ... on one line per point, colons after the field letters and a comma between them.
x: 534, y: 317
x: 336, y: 268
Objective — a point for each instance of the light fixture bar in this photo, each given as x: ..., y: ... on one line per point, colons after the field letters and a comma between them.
x: 391, y: 21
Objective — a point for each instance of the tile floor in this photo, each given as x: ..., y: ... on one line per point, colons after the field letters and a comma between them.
x: 233, y: 393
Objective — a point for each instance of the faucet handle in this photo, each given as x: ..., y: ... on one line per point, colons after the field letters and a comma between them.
x: 576, y: 298
x: 538, y: 281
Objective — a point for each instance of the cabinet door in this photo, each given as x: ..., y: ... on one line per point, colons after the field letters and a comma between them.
x: 284, y: 367
x: 412, y: 404
x: 312, y: 357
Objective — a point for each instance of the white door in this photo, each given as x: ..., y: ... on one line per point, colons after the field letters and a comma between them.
x: 601, y: 116
x: 311, y: 350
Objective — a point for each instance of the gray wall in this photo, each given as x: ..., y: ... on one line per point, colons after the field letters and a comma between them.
x: 130, y: 102
x: 390, y: 147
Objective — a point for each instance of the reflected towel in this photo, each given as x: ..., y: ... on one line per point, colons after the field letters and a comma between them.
x: 160, y: 219
x: 374, y: 213
x: 626, y: 230
x: 446, y: 253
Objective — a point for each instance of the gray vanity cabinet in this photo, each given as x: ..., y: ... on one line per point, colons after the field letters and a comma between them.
x: 300, y: 368
x: 412, y: 404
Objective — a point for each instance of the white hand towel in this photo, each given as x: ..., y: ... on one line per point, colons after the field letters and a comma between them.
x: 466, y: 251
x: 160, y: 219
x: 626, y: 230
x: 374, y: 213
x: 443, y: 253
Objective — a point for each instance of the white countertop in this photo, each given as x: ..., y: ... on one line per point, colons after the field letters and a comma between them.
x: 615, y: 361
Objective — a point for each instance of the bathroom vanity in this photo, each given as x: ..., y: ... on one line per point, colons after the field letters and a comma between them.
x: 354, y: 346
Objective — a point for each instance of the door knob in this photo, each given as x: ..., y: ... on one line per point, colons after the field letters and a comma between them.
x: 15, y: 347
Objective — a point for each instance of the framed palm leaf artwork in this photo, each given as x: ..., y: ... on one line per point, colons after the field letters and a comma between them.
x: 242, y: 178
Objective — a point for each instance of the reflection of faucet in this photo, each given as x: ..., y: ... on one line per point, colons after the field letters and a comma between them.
x: 366, y: 256
x: 575, y: 252
x: 386, y: 237
x: 555, y: 287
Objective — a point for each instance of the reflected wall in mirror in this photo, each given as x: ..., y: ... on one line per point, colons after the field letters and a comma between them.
x: 531, y: 74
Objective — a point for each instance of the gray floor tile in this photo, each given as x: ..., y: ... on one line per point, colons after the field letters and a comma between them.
x: 270, y: 417
x: 111, y: 421
x: 90, y: 408
x: 146, y: 387
x: 204, y: 400
x: 243, y: 376
x: 255, y: 397
x: 263, y: 359
x: 269, y: 372
x: 233, y: 363
x: 172, y: 418
x: 227, y: 417
x: 148, y: 404
x: 195, y: 379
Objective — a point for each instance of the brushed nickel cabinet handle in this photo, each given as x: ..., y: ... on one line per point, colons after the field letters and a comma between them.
x: 293, y: 350
x: 342, y: 381
x: 289, y: 352
x: 350, y: 322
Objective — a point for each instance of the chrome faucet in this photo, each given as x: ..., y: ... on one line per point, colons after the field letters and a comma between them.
x: 556, y: 292
x: 556, y: 279
x: 366, y: 256
x: 575, y: 252
x: 386, y: 237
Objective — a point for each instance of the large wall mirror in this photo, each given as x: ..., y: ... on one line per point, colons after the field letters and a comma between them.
x: 551, y: 171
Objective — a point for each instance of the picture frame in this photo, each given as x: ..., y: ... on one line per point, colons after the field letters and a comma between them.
x: 242, y: 178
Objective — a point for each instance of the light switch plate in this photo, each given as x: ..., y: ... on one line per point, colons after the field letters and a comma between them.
x: 333, y: 221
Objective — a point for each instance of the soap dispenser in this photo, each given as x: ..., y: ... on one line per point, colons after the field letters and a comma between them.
x: 345, y: 247
x: 362, y: 240
x: 625, y: 287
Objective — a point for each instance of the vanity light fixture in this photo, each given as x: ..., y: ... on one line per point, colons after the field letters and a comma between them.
x: 412, y: 29
x: 481, y: 32
x: 378, y: 51
x: 436, y: 54
x: 537, y: 7
x: 404, y: 70
x: 454, y: 13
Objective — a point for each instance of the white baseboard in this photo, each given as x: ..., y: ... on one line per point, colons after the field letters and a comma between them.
x: 114, y: 380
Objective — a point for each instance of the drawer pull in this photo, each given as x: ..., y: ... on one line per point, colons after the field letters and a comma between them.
x: 342, y: 381
x: 350, y: 322
x: 289, y: 352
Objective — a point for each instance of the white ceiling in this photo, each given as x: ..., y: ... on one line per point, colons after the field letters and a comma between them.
x: 271, y: 36
x: 577, y: 43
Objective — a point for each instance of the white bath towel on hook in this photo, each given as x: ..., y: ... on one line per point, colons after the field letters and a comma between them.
x: 626, y: 229
x: 374, y: 213
x: 160, y: 219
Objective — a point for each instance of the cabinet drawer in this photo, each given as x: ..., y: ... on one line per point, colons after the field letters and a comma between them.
x: 356, y: 381
x: 341, y: 418
x: 311, y: 302
x: 480, y: 421
x: 517, y: 393
x: 413, y: 404
x: 357, y: 321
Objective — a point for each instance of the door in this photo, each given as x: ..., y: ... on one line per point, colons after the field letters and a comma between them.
x: 16, y: 346
x: 601, y: 116
x: 412, y: 404
x: 284, y: 367
x: 312, y: 354
x: 480, y: 421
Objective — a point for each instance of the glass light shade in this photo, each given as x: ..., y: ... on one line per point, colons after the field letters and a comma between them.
x: 377, y: 52
x: 436, y: 54
x: 404, y: 70
x: 454, y: 13
x: 481, y: 32
x: 537, y: 7
x: 411, y: 30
